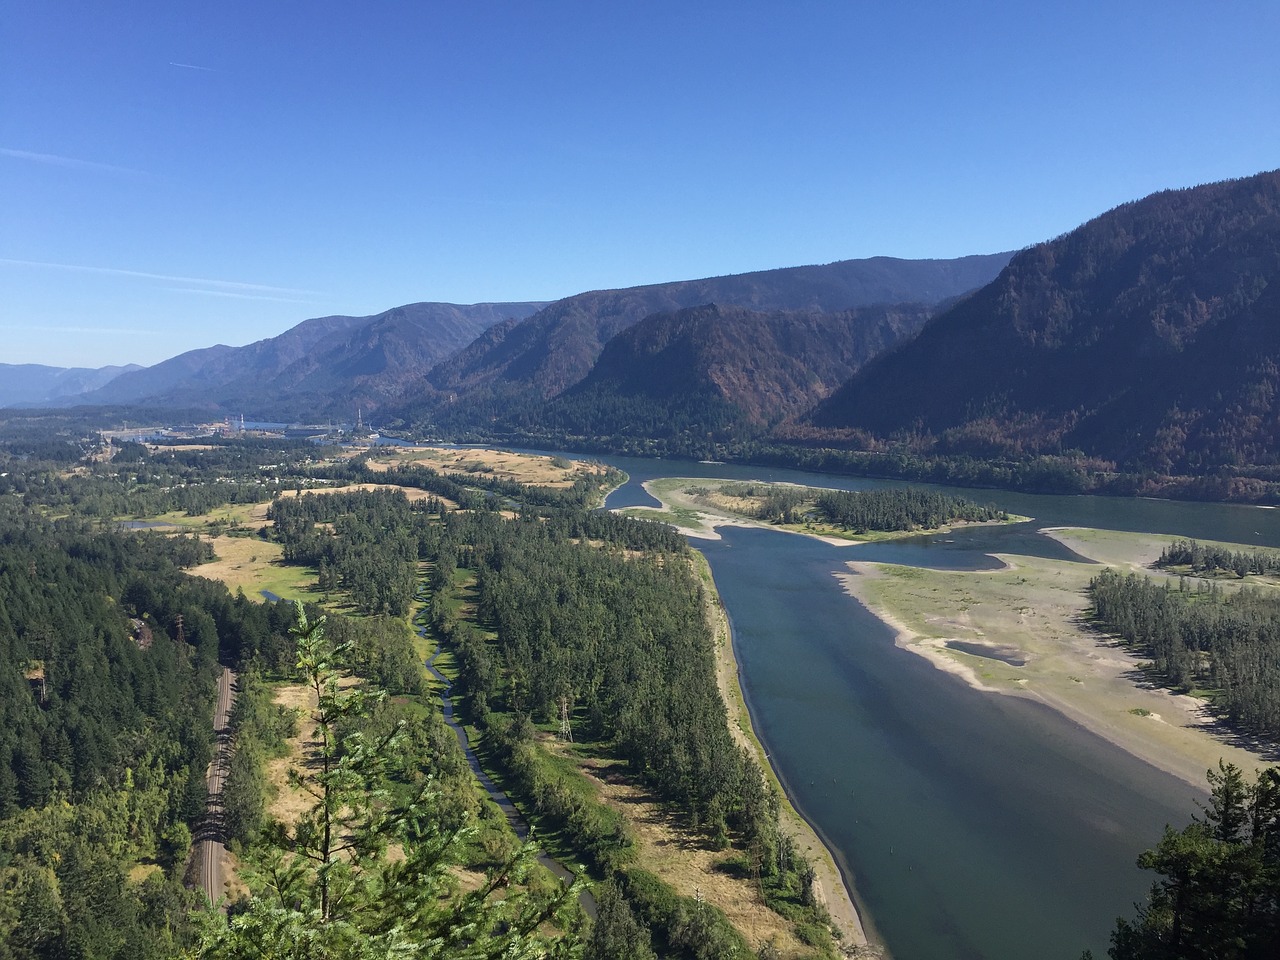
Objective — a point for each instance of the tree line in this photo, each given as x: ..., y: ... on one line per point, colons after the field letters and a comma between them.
x: 1202, y: 637
x: 899, y: 509
x: 616, y: 648
x: 1211, y: 559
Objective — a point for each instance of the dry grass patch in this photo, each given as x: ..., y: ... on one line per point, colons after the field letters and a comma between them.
x: 680, y: 858
x: 411, y: 493
x: 253, y: 565
x: 527, y: 468
x: 288, y: 802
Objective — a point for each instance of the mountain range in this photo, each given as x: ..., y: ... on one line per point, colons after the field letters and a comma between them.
x: 1149, y: 337
x: 517, y: 365
x: 421, y: 359
x: 1145, y: 342
x: 321, y: 366
x: 34, y: 384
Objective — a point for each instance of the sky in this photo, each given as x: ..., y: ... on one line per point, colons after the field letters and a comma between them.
x: 177, y: 174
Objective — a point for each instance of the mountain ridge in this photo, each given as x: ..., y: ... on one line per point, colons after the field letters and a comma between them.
x: 37, y: 384
x: 301, y: 370
x: 1150, y: 327
x: 541, y: 357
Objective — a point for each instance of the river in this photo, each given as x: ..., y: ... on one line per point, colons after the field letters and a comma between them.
x: 972, y: 825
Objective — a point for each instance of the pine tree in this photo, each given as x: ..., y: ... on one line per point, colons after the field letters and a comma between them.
x: 329, y: 889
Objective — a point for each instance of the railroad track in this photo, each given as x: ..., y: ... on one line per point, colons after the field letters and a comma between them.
x: 210, y: 841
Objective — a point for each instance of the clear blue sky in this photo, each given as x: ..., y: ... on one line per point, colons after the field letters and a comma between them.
x: 179, y: 174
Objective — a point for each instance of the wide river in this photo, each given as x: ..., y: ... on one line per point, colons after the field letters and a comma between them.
x: 971, y: 825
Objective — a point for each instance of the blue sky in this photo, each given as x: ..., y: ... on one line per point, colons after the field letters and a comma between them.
x: 175, y: 175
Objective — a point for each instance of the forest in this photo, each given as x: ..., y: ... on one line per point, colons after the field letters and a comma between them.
x: 554, y: 616
x: 109, y: 649
x: 107, y: 658
x: 1201, y: 559
x: 1225, y: 643
x: 594, y: 625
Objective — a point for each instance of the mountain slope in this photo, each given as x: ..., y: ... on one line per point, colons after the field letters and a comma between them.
x: 724, y: 370
x: 553, y: 350
x: 1149, y: 336
x: 323, y: 365
x: 34, y: 384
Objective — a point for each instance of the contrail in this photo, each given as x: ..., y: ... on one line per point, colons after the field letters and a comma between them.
x: 239, y: 296
x: 191, y: 66
x: 57, y: 161
x: 143, y: 275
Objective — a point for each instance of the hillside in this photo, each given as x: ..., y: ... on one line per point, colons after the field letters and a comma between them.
x: 539, y: 358
x: 727, y: 370
x: 1149, y: 337
x: 323, y: 365
x: 34, y: 384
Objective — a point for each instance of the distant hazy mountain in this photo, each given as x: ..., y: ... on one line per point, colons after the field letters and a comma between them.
x: 723, y: 370
x: 34, y: 385
x: 1149, y: 336
x: 515, y: 364
x: 322, y: 366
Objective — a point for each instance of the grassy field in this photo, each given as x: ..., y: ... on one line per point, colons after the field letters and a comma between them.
x: 253, y: 565
x: 532, y: 469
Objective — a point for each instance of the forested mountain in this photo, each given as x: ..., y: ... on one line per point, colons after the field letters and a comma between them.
x: 1149, y: 337
x: 725, y: 369
x: 546, y: 354
x: 34, y: 384
x: 328, y: 364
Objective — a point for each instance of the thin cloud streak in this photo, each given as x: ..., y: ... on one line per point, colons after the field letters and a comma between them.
x: 53, y: 160
x: 107, y: 330
x: 232, y: 285
x: 192, y: 66
x: 239, y: 296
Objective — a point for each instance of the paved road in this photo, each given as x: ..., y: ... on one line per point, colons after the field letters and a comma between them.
x: 210, y: 840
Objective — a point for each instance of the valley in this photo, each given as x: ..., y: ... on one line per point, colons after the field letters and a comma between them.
x: 849, y: 697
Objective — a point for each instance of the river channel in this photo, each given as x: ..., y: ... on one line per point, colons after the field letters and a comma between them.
x: 972, y: 825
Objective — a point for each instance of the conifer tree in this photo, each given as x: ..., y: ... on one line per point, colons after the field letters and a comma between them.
x: 328, y: 888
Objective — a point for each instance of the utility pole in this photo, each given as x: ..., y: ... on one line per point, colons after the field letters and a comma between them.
x: 566, y: 731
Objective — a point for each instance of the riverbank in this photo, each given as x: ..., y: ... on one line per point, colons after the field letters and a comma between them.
x: 1022, y: 630
x: 830, y: 885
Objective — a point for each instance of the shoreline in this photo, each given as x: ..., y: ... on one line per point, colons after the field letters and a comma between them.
x: 1082, y: 675
x: 1014, y: 631
x: 832, y: 886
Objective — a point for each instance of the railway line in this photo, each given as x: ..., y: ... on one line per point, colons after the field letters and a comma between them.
x: 209, y: 850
